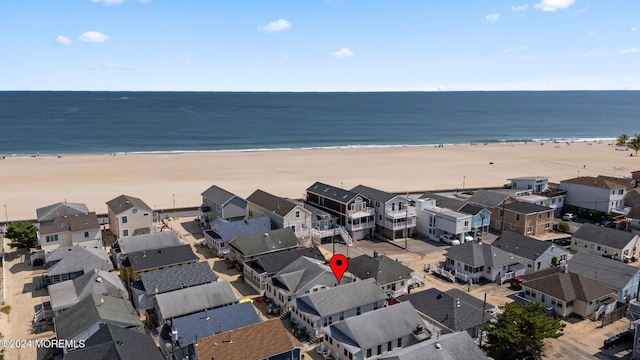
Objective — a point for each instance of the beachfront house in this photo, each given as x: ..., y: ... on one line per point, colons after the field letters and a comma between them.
x: 311, y: 312
x: 130, y: 244
x: 324, y: 225
x: 395, y: 217
x: 603, y: 241
x: 47, y: 214
x: 129, y: 216
x: 493, y: 201
x: 218, y: 203
x: 533, y: 253
x: 540, y: 192
x: 221, y: 232
x: 353, y: 210
x: 114, y: 342
x: 588, y: 194
x: 282, y: 212
x: 565, y: 293
x: 394, y: 278
x: 70, y: 230
x: 140, y: 262
x: 245, y: 248
x: 434, y: 221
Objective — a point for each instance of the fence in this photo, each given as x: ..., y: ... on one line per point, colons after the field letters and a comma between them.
x: 614, y: 316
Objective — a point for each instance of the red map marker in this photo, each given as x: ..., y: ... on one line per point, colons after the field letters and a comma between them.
x: 338, y: 264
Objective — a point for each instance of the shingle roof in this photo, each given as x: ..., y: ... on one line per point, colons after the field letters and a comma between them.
x: 113, y: 342
x: 302, y: 272
x: 96, y: 308
x: 470, y: 209
x: 125, y: 202
x: 67, y: 293
x: 526, y: 208
x: 487, y: 198
x: 218, y: 195
x: 77, y: 258
x: 565, y: 286
x: 75, y: 222
x: 144, y: 260
x: 477, y: 254
x: 335, y: 193
x: 521, y: 245
x: 256, y: 244
x: 444, y: 201
x: 376, y: 327
x: 383, y: 269
x: 50, y: 212
x: 452, y: 346
x: 271, y: 202
x: 272, y: 263
x: 317, y: 213
x: 194, y: 299
x: 225, y: 230
x: 617, y: 239
x: 341, y: 298
x: 597, y: 182
x: 608, y: 272
x: 132, y: 244
x: 634, y: 213
x: 173, y: 278
x: 454, y: 309
x: 256, y: 341
x: 373, y: 194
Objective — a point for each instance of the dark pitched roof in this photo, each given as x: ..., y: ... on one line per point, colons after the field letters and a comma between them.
x: 149, y: 259
x: 194, y: 299
x: 178, y: 277
x: 274, y: 203
x: 218, y: 195
x: 597, y: 182
x: 470, y: 209
x: 249, y: 342
x: 67, y: 293
x: 521, y: 245
x: 566, y: 286
x: 526, y: 208
x: 301, y: 273
x: 604, y: 236
x: 383, y: 269
x: 73, y: 259
x: 271, y: 241
x: 113, y: 342
x: 225, y: 230
x: 373, y: 194
x: 341, y: 298
x: 444, y: 201
x: 125, y: 202
x: 335, y: 193
x: 458, y: 345
x: 608, y: 272
x: 477, y: 254
x: 454, y: 309
x: 50, y: 212
x: 634, y: 213
x: 487, y: 198
x: 272, y: 263
x: 75, y: 222
x: 163, y: 239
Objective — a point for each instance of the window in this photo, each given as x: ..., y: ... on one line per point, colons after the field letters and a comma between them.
x: 466, y: 223
x: 389, y: 346
x: 125, y: 232
x: 501, y: 213
x: 124, y: 219
x: 539, y: 216
x: 570, y: 303
x: 548, y: 215
x: 358, y: 310
x: 512, y: 227
x: 547, y: 226
x: 529, y: 229
x: 342, y: 315
x: 379, y: 349
x: 297, y: 213
x: 86, y: 234
x: 145, y: 214
x: 368, y: 352
x: 399, y: 342
x: 517, y: 217
x: 346, y: 352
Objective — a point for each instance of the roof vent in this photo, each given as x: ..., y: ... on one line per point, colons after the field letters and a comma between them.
x: 438, y: 346
x: 98, y: 279
x: 119, y: 342
x: 266, y: 234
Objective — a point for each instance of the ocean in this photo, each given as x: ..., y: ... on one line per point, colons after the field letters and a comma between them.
x: 106, y: 122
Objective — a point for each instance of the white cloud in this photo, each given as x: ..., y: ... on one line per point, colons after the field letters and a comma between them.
x: 344, y: 52
x: 278, y: 25
x: 63, y: 40
x: 493, y: 17
x: 631, y: 50
x: 554, y: 5
x: 520, y: 7
x: 109, y: 2
x: 634, y: 28
x: 93, y: 36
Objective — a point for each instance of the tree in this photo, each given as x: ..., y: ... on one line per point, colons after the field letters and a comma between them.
x: 22, y: 234
x: 563, y: 226
x: 622, y: 139
x: 521, y: 327
x: 635, y: 145
x: 555, y: 262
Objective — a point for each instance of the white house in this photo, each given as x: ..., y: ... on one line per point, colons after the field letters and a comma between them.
x: 395, y: 216
x: 433, y: 221
x: 394, y: 278
x: 599, y: 240
x: 596, y: 193
x: 70, y: 230
x: 534, y: 254
x: 473, y: 260
x: 129, y: 216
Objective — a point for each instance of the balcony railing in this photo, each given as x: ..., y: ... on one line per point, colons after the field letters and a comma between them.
x: 410, y: 211
x: 360, y: 226
x: 354, y: 214
x: 400, y: 225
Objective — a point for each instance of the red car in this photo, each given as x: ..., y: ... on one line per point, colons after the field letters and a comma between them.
x: 516, y: 283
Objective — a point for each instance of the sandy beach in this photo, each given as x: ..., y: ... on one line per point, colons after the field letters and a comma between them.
x: 32, y: 182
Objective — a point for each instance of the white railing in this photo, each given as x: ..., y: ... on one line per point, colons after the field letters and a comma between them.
x: 361, y: 226
x: 354, y: 214
x: 438, y: 269
x: 462, y: 276
x: 345, y: 235
x: 398, y: 214
x: 401, y: 225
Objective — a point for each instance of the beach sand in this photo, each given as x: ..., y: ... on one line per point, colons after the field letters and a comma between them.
x: 31, y: 182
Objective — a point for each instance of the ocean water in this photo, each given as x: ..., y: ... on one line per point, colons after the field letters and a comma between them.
x: 105, y: 122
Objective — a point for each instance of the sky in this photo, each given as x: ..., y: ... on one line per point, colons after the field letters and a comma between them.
x: 319, y: 45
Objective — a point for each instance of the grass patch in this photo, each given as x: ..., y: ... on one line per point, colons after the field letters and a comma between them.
x: 6, y: 309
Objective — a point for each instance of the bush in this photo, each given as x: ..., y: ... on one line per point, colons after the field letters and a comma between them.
x: 6, y: 309
x: 563, y: 226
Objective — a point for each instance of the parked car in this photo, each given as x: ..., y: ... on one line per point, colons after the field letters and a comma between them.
x: 568, y: 217
x: 448, y: 239
x: 516, y: 283
x: 468, y: 237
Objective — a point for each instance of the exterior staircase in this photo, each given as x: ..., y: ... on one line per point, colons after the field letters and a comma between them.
x: 345, y: 236
x: 286, y: 312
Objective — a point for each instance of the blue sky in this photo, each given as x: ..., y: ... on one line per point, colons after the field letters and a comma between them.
x: 319, y: 45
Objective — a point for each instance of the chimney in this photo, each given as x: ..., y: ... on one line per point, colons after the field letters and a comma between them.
x: 565, y: 267
x: 375, y: 253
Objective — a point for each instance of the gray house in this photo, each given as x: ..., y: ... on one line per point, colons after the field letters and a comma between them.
x: 599, y: 240
x: 458, y: 345
x: 116, y: 343
x: 218, y: 203
x: 131, y: 244
x: 394, y: 278
x: 68, y: 263
x: 535, y: 254
x: 395, y: 217
x: 221, y: 232
x: 248, y: 247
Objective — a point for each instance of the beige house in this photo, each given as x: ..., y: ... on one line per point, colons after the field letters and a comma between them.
x: 282, y: 212
x: 129, y: 216
x: 70, y: 230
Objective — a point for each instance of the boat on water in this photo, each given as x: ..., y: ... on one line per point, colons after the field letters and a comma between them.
x: 123, y: 98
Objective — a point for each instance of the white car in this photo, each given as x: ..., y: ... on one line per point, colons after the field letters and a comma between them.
x: 448, y: 239
x: 468, y: 237
x: 568, y: 217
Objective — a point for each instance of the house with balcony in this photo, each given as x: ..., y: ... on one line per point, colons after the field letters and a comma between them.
x: 526, y: 218
x: 603, y: 241
x: 395, y: 217
x: 129, y: 215
x: 492, y: 201
x: 324, y: 225
x: 394, y: 278
x: 221, y: 232
x: 541, y: 192
x: 131, y: 244
x: 433, y: 221
x: 70, y: 230
x: 68, y: 263
x: 596, y: 194
x: 534, y: 254
x: 353, y: 210
x: 480, y: 219
x: 282, y: 212
x: 218, y: 203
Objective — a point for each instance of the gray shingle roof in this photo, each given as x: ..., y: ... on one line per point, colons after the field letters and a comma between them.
x: 178, y: 277
x: 477, y: 254
x: 72, y: 259
x: 113, y: 342
x: 487, y: 198
x: 373, y: 194
x: 224, y: 230
x: 526, y: 208
x: 256, y: 244
x: 453, y: 346
x: 272, y: 263
x: 75, y: 222
x: 131, y: 244
x: 144, y: 260
x: 383, y: 269
x: 300, y: 273
x: 93, y: 309
x: 67, y: 293
x: 194, y: 299
x: 376, y: 327
x: 125, y: 202
x: 611, y: 273
x: 218, y: 195
x: 454, y: 309
x: 521, y: 245
x: 50, y: 212
x: 470, y: 209
x: 565, y: 286
x: 327, y: 191
x: 444, y: 201
x: 605, y: 236
x: 271, y: 202
x: 597, y: 182
x: 341, y: 298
